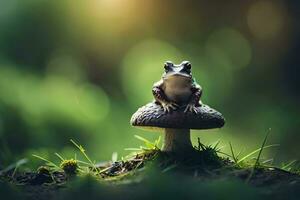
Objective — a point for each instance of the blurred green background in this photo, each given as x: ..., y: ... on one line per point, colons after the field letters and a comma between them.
x: 79, y: 69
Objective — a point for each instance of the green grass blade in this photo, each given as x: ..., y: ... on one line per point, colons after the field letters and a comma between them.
x: 48, y: 162
x: 148, y: 144
x: 239, y: 153
x: 85, y: 163
x: 232, y: 153
x: 261, y: 149
x: 133, y: 149
x: 216, y: 144
x: 14, y: 166
x: 268, y: 161
x: 286, y: 167
x: 169, y: 168
x: 60, y: 157
x: 82, y: 150
x: 157, y: 142
x: 142, y: 139
x: 258, y: 156
x: 226, y: 154
x: 255, y: 151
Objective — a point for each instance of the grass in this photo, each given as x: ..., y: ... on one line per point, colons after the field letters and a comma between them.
x: 148, y: 168
x: 206, y: 159
x: 244, y: 162
x: 73, y: 166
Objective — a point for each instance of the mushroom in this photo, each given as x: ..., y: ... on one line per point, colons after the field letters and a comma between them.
x: 177, y: 124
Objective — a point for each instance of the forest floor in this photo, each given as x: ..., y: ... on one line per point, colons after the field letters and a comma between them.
x: 152, y: 174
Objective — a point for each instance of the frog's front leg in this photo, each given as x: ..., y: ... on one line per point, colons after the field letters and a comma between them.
x: 194, y: 101
x: 161, y: 98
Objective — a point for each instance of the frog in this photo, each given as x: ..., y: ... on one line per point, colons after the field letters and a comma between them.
x: 177, y: 88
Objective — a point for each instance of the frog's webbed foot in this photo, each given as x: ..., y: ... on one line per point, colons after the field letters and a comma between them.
x: 191, y: 108
x: 168, y: 107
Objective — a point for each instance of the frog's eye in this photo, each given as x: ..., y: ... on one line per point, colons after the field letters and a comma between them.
x: 167, y: 66
x: 188, y: 65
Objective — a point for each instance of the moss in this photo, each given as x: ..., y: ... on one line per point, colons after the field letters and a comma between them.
x: 70, y: 166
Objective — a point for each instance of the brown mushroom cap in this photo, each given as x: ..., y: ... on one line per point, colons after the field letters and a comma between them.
x: 153, y: 115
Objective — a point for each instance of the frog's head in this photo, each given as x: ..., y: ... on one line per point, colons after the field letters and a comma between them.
x: 182, y: 70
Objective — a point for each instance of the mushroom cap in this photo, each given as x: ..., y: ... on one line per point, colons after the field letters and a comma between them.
x: 152, y: 115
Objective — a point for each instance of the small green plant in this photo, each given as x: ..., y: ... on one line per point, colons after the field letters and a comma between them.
x: 70, y: 166
x: 148, y: 144
x: 73, y: 165
x: 208, y: 154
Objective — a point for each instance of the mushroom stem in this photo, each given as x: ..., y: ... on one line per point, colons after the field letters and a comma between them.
x: 177, y: 140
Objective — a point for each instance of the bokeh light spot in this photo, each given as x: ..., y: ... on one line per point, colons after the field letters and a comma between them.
x: 228, y: 48
x: 93, y: 102
x: 265, y: 19
x: 65, y: 65
x: 143, y: 65
x: 53, y: 98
